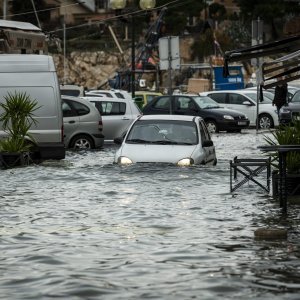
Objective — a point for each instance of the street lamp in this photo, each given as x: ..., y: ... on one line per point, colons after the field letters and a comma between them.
x: 121, y: 4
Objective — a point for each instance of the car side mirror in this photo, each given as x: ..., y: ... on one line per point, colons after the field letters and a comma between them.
x: 207, y: 143
x: 247, y: 102
x: 118, y: 140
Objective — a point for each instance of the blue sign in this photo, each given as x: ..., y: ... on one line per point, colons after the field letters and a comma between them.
x: 234, y: 81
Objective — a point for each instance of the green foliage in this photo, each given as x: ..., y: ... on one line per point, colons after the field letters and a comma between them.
x: 14, y: 145
x: 17, y: 118
x: 287, y: 135
x: 23, y: 11
x: 177, y: 13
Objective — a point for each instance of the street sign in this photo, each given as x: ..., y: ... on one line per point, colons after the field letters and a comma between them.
x: 169, y: 56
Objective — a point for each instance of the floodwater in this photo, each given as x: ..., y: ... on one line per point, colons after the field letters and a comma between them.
x: 85, y: 228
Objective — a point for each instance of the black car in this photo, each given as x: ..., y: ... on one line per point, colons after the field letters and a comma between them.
x: 291, y: 110
x: 216, y: 118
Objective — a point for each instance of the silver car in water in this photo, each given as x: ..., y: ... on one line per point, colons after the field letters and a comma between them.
x: 173, y: 139
x: 117, y: 115
x: 82, y: 124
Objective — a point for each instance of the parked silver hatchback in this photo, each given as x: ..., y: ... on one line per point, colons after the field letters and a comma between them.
x: 82, y: 124
x: 117, y: 115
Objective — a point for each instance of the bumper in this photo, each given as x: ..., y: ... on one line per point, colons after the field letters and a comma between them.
x: 98, y: 140
x: 232, y: 125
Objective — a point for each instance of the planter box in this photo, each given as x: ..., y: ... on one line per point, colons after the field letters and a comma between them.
x: 10, y: 160
x: 292, y: 184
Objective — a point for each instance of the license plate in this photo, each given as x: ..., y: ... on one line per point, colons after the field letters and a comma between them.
x: 242, y: 123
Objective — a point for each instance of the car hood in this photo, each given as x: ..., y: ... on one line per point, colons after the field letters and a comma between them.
x: 156, y: 153
x: 225, y: 111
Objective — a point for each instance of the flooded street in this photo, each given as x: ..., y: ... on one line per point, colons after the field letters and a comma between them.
x: 85, y: 228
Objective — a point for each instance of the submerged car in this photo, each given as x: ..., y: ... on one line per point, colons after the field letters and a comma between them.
x: 173, y: 139
x: 117, y: 114
x: 216, y: 118
x: 291, y: 110
x: 82, y: 124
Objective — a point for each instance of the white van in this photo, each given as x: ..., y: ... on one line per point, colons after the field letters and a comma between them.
x: 36, y: 76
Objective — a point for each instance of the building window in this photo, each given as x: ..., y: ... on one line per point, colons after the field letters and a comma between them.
x: 102, y: 4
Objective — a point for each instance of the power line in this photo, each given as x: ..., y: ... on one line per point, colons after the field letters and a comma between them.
x: 174, y: 3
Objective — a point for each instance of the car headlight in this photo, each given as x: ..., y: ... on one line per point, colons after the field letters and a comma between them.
x: 185, y: 162
x: 228, y: 117
x: 123, y: 160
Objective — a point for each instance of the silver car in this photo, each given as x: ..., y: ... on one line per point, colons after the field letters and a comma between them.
x: 291, y: 110
x: 82, y: 124
x: 245, y: 101
x: 175, y: 139
x: 117, y: 115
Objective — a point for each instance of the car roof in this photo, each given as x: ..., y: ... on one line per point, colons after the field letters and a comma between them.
x: 111, y: 99
x: 78, y: 99
x: 169, y: 117
x: 147, y: 92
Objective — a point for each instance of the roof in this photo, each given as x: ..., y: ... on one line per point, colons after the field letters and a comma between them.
x: 168, y: 117
x: 18, y: 25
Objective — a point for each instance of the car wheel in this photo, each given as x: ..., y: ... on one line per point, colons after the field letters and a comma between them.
x: 265, y: 121
x: 82, y: 142
x: 212, y: 126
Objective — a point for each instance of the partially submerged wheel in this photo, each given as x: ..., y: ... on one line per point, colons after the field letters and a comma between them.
x: 82, y: 142
x: 265, y: 121
x: 212, y: 126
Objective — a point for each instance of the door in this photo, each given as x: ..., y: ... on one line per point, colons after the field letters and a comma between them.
x: 242, y: 104
x: 184, y: 105
x: 71, y: 120
x: 114, y: 118
x: 210, y: 152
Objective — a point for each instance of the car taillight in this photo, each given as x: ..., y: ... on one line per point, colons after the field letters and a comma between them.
x: 62, y: 133
x: 100, y: 125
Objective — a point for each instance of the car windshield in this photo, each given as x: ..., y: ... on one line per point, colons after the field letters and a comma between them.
x: 205, y: 102
x: 165, y: 132
x: 268, y: 96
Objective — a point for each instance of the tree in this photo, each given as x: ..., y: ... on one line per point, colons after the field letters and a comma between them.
x: 272, y: 12
x: 24, y: 11
x: 178, y: 13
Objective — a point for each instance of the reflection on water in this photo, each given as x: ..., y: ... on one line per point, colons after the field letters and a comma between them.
x: 85, y: 228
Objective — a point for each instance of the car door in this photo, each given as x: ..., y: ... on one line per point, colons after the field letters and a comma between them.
x: 114, y: 118
x: 210, y: 152
x: 158, y: 106
x: 71, y: 119
x: 184, y: 105
x: 242, y: 104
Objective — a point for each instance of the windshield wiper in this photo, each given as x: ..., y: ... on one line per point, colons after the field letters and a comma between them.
x: 138, y: 141
x: 165, y: 142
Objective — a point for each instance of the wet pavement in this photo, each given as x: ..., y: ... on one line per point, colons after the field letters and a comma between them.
x: 85, y: 228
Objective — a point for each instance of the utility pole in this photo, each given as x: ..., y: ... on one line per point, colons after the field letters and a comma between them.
x: 4, y: 9
x: 257, y: 38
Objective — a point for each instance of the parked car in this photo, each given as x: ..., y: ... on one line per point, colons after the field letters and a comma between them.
x: 291, y: 110
x: 117, y: 114
x: 215, y: 117
x: 174, y: 139
x: 145, y: 96
x: 244, y: 101
x: 109, y: 93
x: 82, y: 124
x: 291, y: 91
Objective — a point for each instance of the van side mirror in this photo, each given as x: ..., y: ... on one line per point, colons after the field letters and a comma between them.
x: 207, y: 143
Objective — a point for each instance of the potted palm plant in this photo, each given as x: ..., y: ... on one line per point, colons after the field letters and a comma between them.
x: 287, y: 135
x: 17, y: 117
